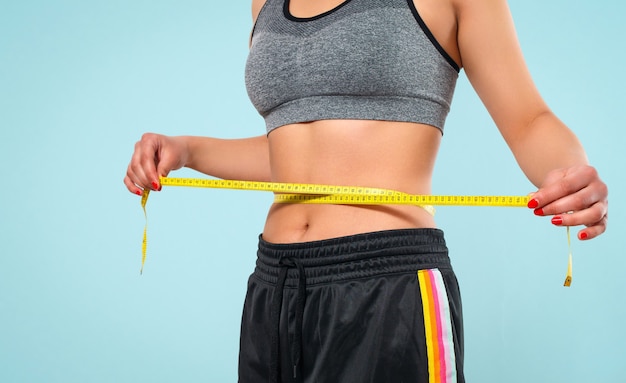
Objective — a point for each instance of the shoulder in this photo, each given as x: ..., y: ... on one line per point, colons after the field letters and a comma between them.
x: 256, y: 7
x: 477, y: 12
x: 465, y: 5
x: 483, y: 26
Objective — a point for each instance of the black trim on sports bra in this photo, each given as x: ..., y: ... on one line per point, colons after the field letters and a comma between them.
x: 291, y: 17
x: 431, y: 37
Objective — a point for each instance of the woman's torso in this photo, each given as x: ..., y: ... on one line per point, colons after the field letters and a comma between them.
x: 384, y: 154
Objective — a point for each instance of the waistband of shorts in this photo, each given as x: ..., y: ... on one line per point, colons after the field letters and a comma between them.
x: 355, y: 256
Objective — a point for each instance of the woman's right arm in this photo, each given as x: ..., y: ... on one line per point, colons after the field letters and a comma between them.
x: 156, y: 155
x: 256, y: 8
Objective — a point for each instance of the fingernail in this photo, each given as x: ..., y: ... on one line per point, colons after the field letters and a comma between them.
x: 138, y: 192
x: 557, y: 221
x: 155, y: 185
x: 539, y: 212
x: 533, y: 203
x: 583, y: 235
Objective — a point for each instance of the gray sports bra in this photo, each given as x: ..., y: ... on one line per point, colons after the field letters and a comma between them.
x: 364, y: 59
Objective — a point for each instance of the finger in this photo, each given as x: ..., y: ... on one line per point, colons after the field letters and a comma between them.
x: 135, y: 179
x: 594, y: 230
x: 147, y: 165
x: 578, y: 201
x: 137, y: 174
x: 563, y: 183
x: 167, y: 162
x: 594, y: 191
x: 171, y: 155
x: 132, y: 187
x: 589, y: 217
x: 142, y: 168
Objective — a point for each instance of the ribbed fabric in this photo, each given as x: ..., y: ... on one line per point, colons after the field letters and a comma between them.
x: 366, y: 59
x: 355, y: 256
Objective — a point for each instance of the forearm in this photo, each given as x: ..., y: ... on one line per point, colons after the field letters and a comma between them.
x: 544, y: 145
x: 242, y: 159
x: 546, y: 150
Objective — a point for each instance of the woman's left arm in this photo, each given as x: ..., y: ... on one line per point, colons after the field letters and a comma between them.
x: 546, y: 149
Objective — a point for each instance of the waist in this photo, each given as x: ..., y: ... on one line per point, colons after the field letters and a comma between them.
x: 289, y: 223
x: 383, y: 154
x: 355, y: 256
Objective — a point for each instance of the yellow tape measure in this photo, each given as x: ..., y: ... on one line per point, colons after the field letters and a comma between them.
x: 342, y: 195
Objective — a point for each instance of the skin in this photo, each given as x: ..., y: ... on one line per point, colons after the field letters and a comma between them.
x: 479, y: 35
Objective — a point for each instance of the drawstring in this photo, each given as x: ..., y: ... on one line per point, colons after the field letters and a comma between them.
x: 296, y: 347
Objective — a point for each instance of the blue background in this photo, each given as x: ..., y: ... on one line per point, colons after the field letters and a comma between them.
x: 80, y: 81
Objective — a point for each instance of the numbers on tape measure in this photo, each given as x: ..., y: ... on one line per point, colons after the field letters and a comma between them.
x: 402, y: 199
x: 335, y: 194
x: 293, y: 192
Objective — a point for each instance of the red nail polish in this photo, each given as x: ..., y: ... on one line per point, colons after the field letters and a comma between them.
x: 539, y: 212
x: 583, y: 235
x: 155, y: 185
x: 533, y: 203
x: 138, y: 192
x: 557, y: 221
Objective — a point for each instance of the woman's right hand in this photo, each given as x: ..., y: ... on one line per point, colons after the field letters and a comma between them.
x: 155, y: 156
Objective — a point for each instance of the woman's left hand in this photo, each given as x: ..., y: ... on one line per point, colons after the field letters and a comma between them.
x: 574, y: 196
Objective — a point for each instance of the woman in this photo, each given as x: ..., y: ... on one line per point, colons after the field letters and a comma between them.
x: 355, y: 92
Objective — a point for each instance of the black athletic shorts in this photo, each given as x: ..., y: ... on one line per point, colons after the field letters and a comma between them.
x: 374, y: 307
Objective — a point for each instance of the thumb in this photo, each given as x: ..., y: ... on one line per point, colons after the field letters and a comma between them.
x: 169, y: 160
